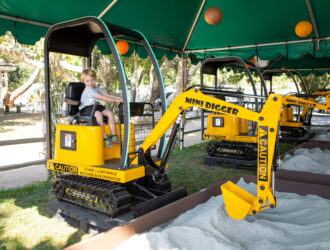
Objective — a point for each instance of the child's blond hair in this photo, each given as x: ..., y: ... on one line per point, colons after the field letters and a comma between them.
x: 88, y: 72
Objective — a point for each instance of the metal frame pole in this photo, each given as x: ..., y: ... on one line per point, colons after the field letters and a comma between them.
x: 23, y: 20
x: 193, y: 25
x: 258, y: 45
x: 316, y: 31
x: 108, y: 8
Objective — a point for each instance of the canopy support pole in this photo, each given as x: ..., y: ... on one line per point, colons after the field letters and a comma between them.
x: 183, y: 72
x: 23, y: 20
x: 273, y: 62
x: 108, y: 8
x: 193, y: 25
x: 311, y: 69
x: 316, y: 31
x: 259, y: 45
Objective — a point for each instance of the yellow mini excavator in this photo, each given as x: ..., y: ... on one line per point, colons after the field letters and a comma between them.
x: 90, y: 176
x: 234, y: 140
x: 293, y: 129
x: 305, y: 118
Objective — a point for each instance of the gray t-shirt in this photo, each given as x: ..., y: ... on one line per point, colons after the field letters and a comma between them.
x: 88, y: 96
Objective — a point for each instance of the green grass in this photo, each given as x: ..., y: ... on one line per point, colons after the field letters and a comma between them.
x: 187, y: 169
x: 25, y: 224
x: 285, y: 147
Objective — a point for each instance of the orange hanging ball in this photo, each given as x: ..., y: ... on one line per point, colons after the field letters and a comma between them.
x: 213, y: 15
x: 251, y: 60
x: 303, y: 29
x: 122, y: 47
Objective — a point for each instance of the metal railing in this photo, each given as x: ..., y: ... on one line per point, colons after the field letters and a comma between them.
x: 21, y: 141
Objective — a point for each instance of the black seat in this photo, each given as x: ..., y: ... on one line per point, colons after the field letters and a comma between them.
x: 72, y: 98
x: 136, y: 109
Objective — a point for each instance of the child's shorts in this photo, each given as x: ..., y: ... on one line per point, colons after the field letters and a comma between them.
x: 86, y: 111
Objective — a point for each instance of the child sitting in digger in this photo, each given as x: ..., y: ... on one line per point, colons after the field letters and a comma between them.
x: 92, y: 94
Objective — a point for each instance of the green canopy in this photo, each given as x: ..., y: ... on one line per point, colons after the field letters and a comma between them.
x: 248, y: 28
x: 305, y: 65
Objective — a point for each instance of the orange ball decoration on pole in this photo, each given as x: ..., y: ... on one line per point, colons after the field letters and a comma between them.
x: 122, y: 47
x: 303, y: 29
x: 251, y: 60
x: 213, y: 15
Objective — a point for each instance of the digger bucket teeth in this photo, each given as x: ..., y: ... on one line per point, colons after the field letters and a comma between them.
x: 238, y: 202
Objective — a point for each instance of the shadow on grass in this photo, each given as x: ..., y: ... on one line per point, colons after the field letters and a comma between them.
x: 34, y: 195
x: 18, y: 243
x: 48, y: 244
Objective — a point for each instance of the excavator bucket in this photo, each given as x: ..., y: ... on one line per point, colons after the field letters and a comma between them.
x: 238, y: 202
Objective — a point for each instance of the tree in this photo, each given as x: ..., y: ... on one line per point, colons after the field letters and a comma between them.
x: 32, y: 57
x: 154, y: 91
x: 314, y: 83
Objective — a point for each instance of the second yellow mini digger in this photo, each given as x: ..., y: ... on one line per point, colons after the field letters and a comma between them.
x: 293, y: 128
x: 88, y: 174
x: 234, y: 140
x: 306, y: 115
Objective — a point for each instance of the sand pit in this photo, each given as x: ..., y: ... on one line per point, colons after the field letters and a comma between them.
x: 323, y: 137
x: 313, y: 160
x: 298, y: 222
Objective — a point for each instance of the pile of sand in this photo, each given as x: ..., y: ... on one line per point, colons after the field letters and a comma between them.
x: 312, y: 160
x: 325, y: 136
x: 298, y: 222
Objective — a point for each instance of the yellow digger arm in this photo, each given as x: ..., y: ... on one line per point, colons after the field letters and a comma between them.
x: 291, y: 99
x: 312, y: 103
x: 238, y: 202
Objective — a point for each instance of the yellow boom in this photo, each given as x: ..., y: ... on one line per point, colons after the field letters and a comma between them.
x: 238, y: 202
x: 317, y: 105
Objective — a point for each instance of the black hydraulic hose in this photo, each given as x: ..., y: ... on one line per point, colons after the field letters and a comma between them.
x: 169, y: 146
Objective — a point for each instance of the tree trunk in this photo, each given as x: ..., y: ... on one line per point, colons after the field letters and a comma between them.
x: 165, y: 66
x: 8, y: 99
x: 151, y: 83
x: 186, y: 75
x: 133, y: 76
x: 179, y: 75
x: 139, y: 80
x: 19, y: 91
x: 73, y: 68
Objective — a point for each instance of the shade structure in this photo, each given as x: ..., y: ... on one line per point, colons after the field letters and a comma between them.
x: 265, y: 28
x: 306, y: 64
